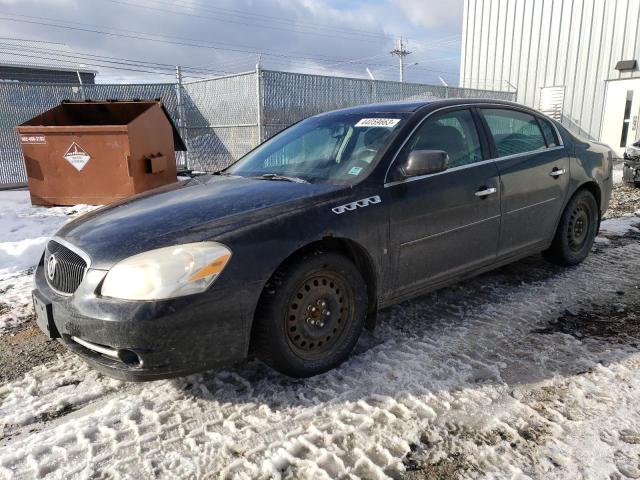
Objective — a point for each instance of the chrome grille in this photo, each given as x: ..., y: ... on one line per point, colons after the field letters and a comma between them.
x: 69, y: 268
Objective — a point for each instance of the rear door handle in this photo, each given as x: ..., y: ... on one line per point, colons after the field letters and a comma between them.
x: 556, y: 172
x: 486, y: 192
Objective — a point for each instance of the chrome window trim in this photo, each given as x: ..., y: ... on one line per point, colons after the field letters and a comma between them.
x: 75, y: 250
x: 471, y: 105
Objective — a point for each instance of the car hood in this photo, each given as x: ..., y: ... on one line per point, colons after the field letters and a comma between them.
x: 199, y: 209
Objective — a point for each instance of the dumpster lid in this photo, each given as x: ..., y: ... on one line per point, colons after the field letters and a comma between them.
x: 107, y: 112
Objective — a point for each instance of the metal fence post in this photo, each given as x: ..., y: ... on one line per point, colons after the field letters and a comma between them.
x: 82, y: 94
x: 182, y: 124
x: 259, y: 95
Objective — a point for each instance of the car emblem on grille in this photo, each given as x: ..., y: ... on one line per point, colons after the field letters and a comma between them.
x: 51, y: 266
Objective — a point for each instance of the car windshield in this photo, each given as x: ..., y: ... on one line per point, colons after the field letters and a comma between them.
x: 333, y: 148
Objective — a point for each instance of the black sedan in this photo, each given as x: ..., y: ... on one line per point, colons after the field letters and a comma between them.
x: 291, y: 251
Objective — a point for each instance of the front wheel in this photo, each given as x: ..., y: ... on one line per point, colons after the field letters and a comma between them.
x: 311, y: 314
x: 576, y: 231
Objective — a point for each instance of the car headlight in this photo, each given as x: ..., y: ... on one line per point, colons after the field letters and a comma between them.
x: 166, y: 272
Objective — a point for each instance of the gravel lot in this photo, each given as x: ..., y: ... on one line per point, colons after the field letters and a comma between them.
x: 625, y: 200
x: 530, y: 371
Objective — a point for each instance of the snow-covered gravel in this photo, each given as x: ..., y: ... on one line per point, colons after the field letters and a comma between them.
x: 625, y: 200
x: 473, y: 381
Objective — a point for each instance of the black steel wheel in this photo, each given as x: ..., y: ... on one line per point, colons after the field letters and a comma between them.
x: 310, y: 315
x: 578, y: 227
x: 318, y: 314
x: 576, y: 231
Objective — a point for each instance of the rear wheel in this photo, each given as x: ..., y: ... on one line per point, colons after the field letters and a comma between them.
x: 311, y: 314
x: 576, y: 231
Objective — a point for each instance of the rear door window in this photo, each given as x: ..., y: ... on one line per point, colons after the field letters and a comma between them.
x: 548, y: 132
x: 514, y: 132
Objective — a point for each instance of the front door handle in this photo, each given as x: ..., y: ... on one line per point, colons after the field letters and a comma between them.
x: 556, y: 172
x: 486, y: 192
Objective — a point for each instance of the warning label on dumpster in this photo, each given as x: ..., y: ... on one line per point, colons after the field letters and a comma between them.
x: 76, y: 156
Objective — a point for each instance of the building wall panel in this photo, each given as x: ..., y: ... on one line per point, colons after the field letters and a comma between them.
x: 532, y: 44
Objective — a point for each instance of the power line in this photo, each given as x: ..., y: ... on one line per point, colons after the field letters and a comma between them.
x: 130, y: 69
x: 291, y: 29
x: 75, y: 53
x: 179, y: 41
x: 30, y: 19
x: 83, y: 61
x: 86, y: 58
x: 271, y: 18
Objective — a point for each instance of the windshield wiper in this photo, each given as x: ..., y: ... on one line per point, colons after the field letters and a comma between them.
x: 282, y: 178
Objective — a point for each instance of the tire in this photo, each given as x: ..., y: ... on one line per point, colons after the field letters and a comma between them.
x: 310, y: 315
x: 576, y: 231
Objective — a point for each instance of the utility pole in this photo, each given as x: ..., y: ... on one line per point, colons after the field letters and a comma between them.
x: 401, y: 52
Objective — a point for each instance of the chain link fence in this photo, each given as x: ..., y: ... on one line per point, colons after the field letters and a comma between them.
x: 290, y: 97
x: 220, y: 119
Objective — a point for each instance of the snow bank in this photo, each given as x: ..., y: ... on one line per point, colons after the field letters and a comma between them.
x: 621, y: 225
x: 25, y: 229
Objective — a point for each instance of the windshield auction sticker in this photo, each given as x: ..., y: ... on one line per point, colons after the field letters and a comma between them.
x: 378, y: 122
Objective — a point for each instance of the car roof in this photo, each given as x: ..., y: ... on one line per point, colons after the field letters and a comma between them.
x: 414, y: 106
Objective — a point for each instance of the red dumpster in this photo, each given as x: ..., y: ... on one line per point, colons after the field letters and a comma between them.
x: 98, y: 152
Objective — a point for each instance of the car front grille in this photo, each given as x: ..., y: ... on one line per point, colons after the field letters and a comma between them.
x: 68, y: 268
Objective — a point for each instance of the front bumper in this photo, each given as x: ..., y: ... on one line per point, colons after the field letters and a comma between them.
x: 144, y: 340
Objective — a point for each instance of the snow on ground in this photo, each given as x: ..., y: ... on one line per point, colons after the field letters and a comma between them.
x: 476, y: 380
x: 25, y: 229
x: 620, y: 226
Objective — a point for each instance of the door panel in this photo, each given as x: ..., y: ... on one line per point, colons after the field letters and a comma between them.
x: 534, y: 177
x: 532, y: 199
x: 439, y: 224
x: 439, y: 227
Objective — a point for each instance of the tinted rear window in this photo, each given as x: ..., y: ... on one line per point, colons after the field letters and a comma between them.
x: 548, y: 132
x: 513, y: 131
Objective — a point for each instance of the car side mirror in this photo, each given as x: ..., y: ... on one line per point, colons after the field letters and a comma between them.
x: 424, y: 162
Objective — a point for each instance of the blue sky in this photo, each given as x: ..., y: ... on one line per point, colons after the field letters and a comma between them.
x: 226, y: 36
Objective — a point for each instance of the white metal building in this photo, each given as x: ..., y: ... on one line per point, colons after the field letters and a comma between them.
x: 576, y: 60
